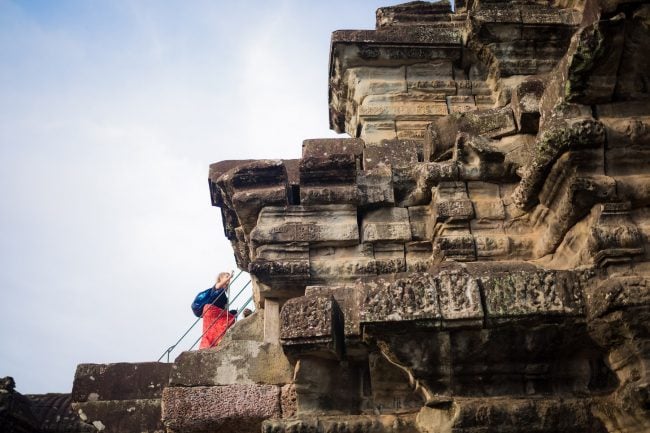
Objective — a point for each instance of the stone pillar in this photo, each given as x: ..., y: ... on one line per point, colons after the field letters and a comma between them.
x: 272, y: 321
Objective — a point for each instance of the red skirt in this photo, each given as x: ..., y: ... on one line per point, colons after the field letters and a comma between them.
x: 215, y: 323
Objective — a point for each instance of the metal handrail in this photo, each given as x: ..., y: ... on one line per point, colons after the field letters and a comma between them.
x: 173, y: 346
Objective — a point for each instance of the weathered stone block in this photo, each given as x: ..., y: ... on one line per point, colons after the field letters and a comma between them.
x: 325, y: 147
x: 247, y: 187
x: 450, y: 202
x: 326, y: 386
x: 486, y: 200
x: 440, y: 136
x: 526, y: 293
x: 406, y: 299
x: 347, y: 299
x: 460, y: 299
x: 459, y: 247
x: 240, y: 408
x: 389, y: 258
x: 419, y: 256
x: 480, y: 88
x: 614, y: 238
x: 506, y: 415
x: 592, y: 69
x: 281, y: 262
x: 288, y: 402
x: 484, y: 102
x: 386, y: 224
x: 249, y: 202
x: 364, y: 81
x: 346, y: 263
x: 250, y: 173
x: 332, y: 169
x: 421, y: 223
x: 312, y: 325
x: 412, y: 185
x: 403, y: 107
x: 413, y: 13
x: 463, y: 87
x: 492, y: 246
x: 376, y: 131
x: 313, y: 224
x: 329, y: 194
x: 121, y: 381
x: 375, y: 187
x: 394, y: 153
x: 411, y: 129
x: 493, y: 123
x: 233, y: 362
x: 122, y: 416
x: 439, y: 69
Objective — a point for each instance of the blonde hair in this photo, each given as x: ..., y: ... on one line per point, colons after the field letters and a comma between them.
x: 222, y: 274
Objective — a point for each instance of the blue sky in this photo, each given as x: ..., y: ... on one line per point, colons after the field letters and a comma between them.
x: 110, y: 114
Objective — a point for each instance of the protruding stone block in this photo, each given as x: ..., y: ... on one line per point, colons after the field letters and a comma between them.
x: 413, y: 184
x: 413, y: 13
x: 312, y: 325
x: 386, y: 224
x: 460, y: 299
x: 329, y: 194
x: 326, y: 147
x: 346, y: 298
x: 455, y: 245
x: 450, y: 202
x: 319, y: 224
x: 394, y: 153
x: 249, y: 185
x: 281, y: 262
x: 375, y: 187
x: 406, y: 299
x: 526, y: 293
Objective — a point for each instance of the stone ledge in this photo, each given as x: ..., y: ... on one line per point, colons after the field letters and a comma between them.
x: 122, y: 416
x: 120, y: 381
x: 235, y: 362
x: 240, y: 408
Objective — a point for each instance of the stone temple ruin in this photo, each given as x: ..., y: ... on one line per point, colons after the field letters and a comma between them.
x: 474, y: 259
